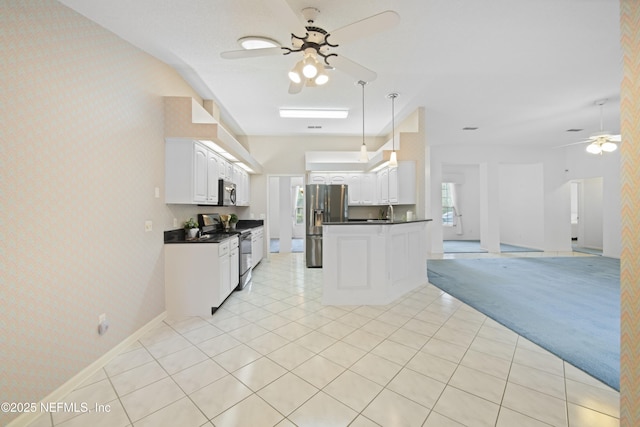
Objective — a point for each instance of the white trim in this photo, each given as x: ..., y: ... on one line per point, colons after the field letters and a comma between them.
x: 74, y: 382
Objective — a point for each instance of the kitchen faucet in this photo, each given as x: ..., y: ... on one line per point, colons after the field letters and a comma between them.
x: 390, y: 212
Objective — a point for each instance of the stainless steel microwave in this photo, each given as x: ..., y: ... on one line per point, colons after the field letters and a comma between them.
x: 226, y: 193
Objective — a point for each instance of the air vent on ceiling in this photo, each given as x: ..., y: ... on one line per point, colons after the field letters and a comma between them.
x: 470, y: 128
x: 574, y: 130
x: 314, y: 127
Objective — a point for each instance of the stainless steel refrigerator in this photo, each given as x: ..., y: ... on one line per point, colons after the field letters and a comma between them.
x: 324, y: 203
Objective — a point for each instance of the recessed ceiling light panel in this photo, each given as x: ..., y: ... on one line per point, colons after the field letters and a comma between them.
x: 290, y: 113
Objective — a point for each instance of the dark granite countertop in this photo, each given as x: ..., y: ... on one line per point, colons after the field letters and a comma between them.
x: 179, y: 235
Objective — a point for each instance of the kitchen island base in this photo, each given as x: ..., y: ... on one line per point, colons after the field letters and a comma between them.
x: 373, y: 263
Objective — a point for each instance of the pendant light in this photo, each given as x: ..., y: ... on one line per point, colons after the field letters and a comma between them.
x: 364, y: 157
x: 393, y: 160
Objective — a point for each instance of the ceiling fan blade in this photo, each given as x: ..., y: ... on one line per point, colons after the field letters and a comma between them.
x: 251, y: 53
x: 352, y: 68
x: 295, y: 87
x: 573, y: 143
x: 615, y: 138
x: 364, y: 28
x: 289, y: 18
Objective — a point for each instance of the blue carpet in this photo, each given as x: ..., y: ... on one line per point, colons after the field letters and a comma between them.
x: 569, y: 306
x: 296, y: 245
x: 473, y: 246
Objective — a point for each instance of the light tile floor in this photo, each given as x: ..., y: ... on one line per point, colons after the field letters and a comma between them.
x: 273, y: 355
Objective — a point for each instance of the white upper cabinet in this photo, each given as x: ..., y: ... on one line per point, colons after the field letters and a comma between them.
x: 337, y: 178
x: 362, y: 187
x: 192, y: 171
x: 241, y: 179
x: 389, y: 185
x: 200, y: 163
x: 187, y: 164
x: 212, y: 176
x: 318, y: 178
x: 397, y: 186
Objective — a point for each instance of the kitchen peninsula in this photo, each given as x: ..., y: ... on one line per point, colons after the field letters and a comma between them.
x: 373, y: 262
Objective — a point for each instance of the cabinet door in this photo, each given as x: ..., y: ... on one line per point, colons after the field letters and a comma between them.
x: 222, y: 168
x: 212, y: 174
x: 318, y: 178
x: 229, y: 172
x: 200, y: 161
x: 338, y: 178
x: 355, y: 188
x: 246, y: 180
x: 393, y: 185
x: 367, y: 189
x: 383, y: 186
x: 234, y: 269
x: 225, y: 277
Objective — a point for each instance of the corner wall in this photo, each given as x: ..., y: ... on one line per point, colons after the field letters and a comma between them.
x: 82, y: 150
x: 630, y: 206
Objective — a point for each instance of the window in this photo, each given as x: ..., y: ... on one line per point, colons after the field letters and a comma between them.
x: 447, y: 204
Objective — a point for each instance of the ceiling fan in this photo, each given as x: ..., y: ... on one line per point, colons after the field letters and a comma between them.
x: 602, y: 141
x: 316, y: 44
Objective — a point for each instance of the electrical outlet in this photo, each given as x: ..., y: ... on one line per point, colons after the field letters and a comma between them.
x: 148, y: 226
x: 103, y: 324
x: 157, y: 192
x: 175, y: 222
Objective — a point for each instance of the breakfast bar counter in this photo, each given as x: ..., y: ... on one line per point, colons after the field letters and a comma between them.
x: 372, y: 262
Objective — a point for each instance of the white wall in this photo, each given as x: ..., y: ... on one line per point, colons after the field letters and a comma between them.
x: 522, y: 205
x: 581, y: 165
x: 82, y: 153
x: 274, y: 206
x: 559, y: 167
x: 591, y: 211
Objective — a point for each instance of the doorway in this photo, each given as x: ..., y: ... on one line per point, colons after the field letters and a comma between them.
x: 286, y: 209
x: 586, y: 201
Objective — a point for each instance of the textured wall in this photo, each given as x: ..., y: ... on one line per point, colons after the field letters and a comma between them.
x: 630, y: 177
x: 81, y: 150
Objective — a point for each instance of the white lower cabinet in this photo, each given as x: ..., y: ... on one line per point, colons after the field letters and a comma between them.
x: 257, y: 245
x: 234, y: 263
x: 198, y: 277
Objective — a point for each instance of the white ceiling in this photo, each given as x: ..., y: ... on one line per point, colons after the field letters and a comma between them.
x: 522, y: 71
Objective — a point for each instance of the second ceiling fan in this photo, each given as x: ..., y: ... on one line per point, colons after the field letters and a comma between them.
x: 316, y: 44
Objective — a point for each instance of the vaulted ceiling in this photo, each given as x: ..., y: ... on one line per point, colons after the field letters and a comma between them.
x: 522, y: 71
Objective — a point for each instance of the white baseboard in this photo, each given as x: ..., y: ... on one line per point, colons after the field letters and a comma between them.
x: 61, y: 392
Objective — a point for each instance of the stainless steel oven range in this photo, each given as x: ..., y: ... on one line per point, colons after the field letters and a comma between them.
x: 211, y: 224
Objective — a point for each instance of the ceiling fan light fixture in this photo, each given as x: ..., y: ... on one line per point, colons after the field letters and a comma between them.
x: 257, y: 42
x: 609, y: 146
x: 321, y: 78
x: 310, y: 67
x: 295, y: 75
x: 594, y: 148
